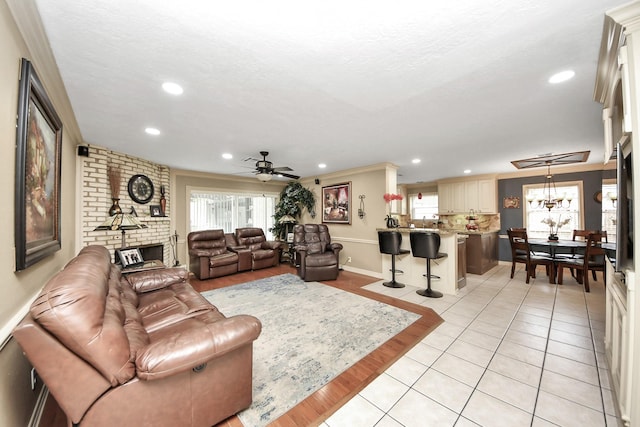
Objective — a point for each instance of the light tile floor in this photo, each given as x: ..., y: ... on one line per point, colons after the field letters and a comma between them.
x: 508, y: 354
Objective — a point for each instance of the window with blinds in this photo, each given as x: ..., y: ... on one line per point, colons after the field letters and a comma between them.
x: 211, y: 210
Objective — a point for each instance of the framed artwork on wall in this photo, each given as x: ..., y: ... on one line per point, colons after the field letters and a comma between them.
x: 511, y: 202
x: 37, y: 184
x: 336, y: 204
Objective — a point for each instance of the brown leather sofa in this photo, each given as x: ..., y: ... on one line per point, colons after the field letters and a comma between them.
x: 316, y: 257
x: 263, y: 253
x: 209, y: 256
x: 144, y: 349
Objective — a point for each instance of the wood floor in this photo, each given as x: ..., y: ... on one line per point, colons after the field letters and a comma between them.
x: 320, y: 405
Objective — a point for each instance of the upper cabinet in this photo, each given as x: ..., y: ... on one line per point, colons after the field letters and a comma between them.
x: 462, y: 196
x: 612, y: 87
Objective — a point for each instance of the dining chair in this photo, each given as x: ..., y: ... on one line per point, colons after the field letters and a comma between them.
x: 580, y: 235
x: 592, y: 260
x: 521, y: 253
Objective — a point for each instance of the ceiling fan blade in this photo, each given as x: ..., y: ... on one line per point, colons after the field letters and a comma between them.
x: 286, y: 175
x: 283, y: 168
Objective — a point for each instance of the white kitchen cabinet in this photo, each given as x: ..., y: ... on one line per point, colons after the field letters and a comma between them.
x: 459, y: 197
x: 487, y: 196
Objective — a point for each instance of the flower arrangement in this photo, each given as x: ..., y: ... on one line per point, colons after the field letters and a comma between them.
x: 388, y: 197
x: 553, y: 235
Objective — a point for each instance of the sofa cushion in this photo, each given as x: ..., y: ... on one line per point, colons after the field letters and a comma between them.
x: 224, y: 259
x: 251, y: 237
x: 260, y: 254
x: 321, y: 260
x: 171, y: 305
x: 207, y: 243
x: 81, y: 307
x: 151, y: 280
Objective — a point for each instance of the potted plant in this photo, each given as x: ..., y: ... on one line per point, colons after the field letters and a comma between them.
x: 294, y: 198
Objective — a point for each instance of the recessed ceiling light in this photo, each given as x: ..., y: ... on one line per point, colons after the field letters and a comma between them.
x: 562, y: 76
x: 322, y: 165
x: 415, y: 161
x: 467, y: 171
x: 227, y: 156
x: 172, y: 88
x: 152, y: 131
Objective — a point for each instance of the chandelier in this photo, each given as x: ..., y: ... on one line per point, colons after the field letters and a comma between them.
x: 551, y: 198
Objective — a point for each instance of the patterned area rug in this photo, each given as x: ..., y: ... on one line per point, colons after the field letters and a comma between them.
x: 311, y: 333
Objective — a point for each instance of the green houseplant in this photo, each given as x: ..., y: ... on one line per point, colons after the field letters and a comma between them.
x: 294, y: 198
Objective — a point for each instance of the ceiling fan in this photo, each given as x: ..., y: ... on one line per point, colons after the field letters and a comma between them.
x: 265, y: 170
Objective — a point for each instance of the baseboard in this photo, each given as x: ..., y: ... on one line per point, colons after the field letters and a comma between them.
x: 362, y: 271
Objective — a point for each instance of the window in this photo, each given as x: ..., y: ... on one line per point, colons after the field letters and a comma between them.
x: 424, y: 208
x: 211, y: 210
x: 538, y: 219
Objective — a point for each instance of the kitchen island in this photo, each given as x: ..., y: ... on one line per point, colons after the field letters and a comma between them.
x: 415, y: 268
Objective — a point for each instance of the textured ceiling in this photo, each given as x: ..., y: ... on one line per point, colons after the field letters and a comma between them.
x: 459, y: 84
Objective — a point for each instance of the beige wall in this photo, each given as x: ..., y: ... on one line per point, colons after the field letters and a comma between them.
x: 17, y: 289
x: 360, y: 239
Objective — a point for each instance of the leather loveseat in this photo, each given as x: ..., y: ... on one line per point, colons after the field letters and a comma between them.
x: 139, y: 350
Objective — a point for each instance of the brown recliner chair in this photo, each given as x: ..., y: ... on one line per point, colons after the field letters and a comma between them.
x: 263, y: 253
x: 316, y: 256
x: 209, y: 256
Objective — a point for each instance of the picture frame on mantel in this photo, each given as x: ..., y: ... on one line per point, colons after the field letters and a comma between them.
x: 155, y: 211
x: 336, y: 204
x: 38, y: 166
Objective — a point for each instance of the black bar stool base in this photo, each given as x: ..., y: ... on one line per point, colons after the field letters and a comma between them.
x: 393, y: 284
x: 429, y: 293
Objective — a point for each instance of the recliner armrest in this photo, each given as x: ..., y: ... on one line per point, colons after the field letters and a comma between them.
x: 271, y: 245
x: 236, y: 248
x: 184, y: 350
x: 335, y: 247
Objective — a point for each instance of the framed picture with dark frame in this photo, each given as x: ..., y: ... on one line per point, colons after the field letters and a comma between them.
x: 38, y: 159
x: 336, y: 204
x: 130, y: 257
x: 155, y: 210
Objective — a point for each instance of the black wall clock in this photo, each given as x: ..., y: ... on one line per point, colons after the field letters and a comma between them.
x: 140, y: 189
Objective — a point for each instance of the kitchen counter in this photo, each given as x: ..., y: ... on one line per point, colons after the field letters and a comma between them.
x: 470, y: 232
x: 415, y: 268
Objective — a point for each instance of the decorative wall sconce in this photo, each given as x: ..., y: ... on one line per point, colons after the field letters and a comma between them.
x: 361, y: 212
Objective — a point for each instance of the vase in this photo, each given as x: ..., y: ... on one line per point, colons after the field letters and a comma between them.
x: 553, y: 237
x: 163, y: 205
x: 115, y: 207
x: 391, y: 222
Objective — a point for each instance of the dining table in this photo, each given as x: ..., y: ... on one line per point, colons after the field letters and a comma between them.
x: 556, y: 247
x: 566, y: 247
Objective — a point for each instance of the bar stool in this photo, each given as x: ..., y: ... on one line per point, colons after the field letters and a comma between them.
x: 427, y: 245
x: 390, y: 242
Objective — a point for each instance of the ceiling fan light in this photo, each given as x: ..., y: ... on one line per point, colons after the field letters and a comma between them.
x: 264, y: 177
